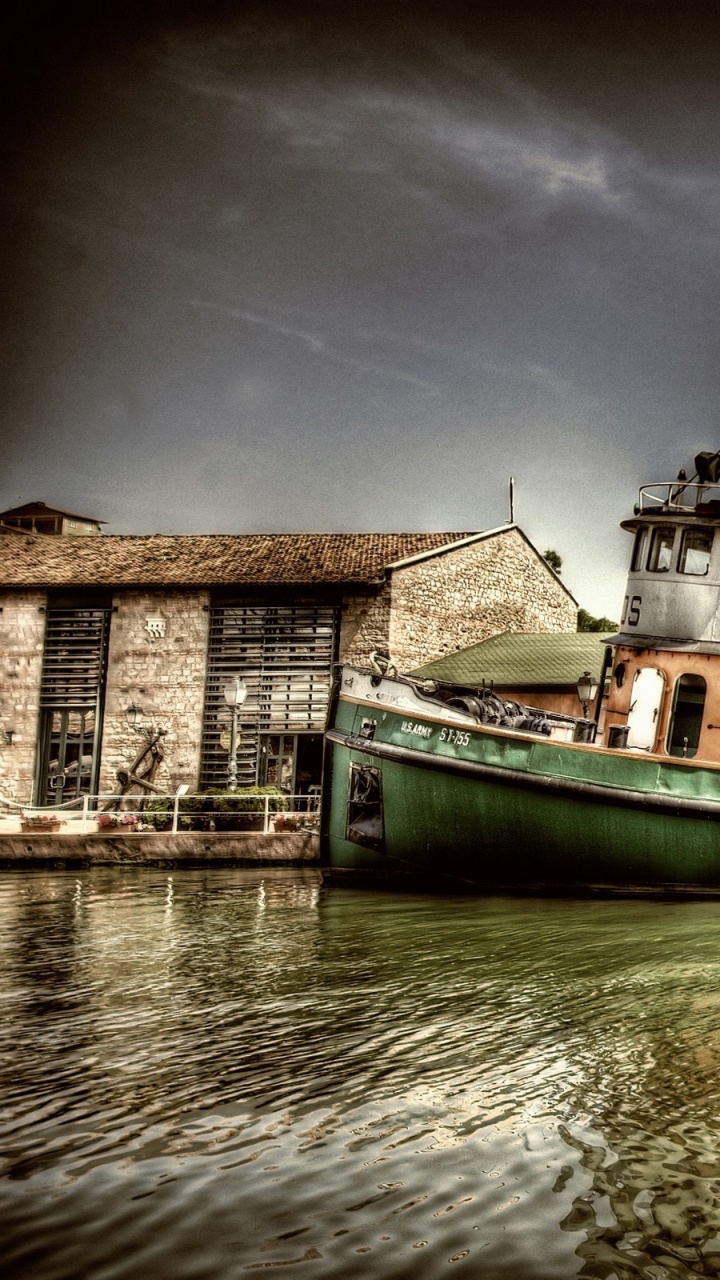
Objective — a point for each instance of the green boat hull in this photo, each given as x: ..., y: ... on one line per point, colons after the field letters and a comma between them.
x: 507, y: 810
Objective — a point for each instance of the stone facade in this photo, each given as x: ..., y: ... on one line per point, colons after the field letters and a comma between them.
x: 364, y: 625
x: 164, y: 674
x: 22, y: 634
x: 447, y: 601
x: 421, y: 609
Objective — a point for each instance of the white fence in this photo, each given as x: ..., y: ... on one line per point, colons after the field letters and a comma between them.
x: 110, y: 814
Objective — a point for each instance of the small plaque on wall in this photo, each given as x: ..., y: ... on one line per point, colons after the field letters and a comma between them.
x: 155, y: 628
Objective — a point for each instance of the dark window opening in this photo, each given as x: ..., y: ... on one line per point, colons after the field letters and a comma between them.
x: 639, y: 550
x: 695, y: 551
x: 365, y: 819
x: 661, y: 545
x: 71, y: 703
x: 686, y: 716
x: 292, y: 762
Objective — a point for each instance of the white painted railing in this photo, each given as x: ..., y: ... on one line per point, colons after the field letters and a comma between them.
x: 676, y: 495
x: 108, y: 813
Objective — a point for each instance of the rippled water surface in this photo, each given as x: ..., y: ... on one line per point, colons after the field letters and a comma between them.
x: 223, y: 1073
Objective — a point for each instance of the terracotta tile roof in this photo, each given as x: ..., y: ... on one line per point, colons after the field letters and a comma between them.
x: 208, y: 559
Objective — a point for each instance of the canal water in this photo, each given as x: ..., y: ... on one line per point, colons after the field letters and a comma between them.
x: 230, y: 1073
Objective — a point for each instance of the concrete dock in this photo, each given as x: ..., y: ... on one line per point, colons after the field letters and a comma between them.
x: 152, y: 849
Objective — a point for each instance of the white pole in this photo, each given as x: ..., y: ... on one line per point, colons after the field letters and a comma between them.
x: 181, y: 791
x: 83, y: 824
x: 266, y: 828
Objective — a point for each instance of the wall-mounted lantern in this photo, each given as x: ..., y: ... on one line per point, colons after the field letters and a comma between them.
x: 134, y: 717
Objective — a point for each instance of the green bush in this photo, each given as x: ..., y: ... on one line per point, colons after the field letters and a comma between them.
x: 216, y: 809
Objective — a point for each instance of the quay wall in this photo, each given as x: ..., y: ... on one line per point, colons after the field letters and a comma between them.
x: 190, y: 848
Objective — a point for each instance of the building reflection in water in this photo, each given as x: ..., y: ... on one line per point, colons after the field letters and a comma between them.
x: 530, y: 1083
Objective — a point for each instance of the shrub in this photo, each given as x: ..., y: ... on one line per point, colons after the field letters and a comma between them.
x: 215, y: 809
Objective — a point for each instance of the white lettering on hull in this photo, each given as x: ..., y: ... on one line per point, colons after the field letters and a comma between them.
x: 419, y: 730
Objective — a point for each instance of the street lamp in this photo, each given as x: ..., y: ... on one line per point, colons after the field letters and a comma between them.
x: 587, y: 687
x: 235, y: 693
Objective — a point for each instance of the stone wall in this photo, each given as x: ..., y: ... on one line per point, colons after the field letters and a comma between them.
x: 446, y: 602
x: 164, y: 674
x: 22, y: 635
x: 189, y: 848
x: 364, y: 625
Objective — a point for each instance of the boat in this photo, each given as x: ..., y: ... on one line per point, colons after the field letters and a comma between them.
x: 453, y: 786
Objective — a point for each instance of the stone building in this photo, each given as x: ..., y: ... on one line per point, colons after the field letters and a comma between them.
x: 38, y: 517
x: 90, y: 627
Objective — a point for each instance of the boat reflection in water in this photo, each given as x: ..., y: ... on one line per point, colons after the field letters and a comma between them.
x: 453, y: 784
x: 224, y: 1072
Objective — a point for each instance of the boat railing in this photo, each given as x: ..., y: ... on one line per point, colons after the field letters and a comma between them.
x: 676, y: 496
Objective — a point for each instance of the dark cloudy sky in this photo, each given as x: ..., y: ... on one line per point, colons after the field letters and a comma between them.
x: 350, y: 266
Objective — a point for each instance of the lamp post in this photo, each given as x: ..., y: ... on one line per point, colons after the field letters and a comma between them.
x: 587, y: 687
x: 235, y: 693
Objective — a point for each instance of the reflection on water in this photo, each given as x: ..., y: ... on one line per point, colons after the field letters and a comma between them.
x: 226, y: 1072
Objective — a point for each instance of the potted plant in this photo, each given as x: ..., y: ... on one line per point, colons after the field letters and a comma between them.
x: 40, y: 823
x: 114, y: 821
x: 287, y: 823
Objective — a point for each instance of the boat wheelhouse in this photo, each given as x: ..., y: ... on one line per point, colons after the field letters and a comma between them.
x: 665, y: 691
x: 455, y: 785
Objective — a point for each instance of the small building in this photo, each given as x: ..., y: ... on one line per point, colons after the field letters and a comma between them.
x: 540, y: 669
x: 93, y: 627
x: 37, y: 517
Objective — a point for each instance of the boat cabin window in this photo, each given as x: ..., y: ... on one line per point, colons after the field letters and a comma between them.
x: 686, y: 716
x: 695, y: 551
x: 638, y: 556
x: 661, y: 545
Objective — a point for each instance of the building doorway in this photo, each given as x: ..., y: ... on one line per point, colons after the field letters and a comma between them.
x: 292, y: 762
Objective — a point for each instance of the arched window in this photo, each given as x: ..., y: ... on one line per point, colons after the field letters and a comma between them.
x: 686, y: 716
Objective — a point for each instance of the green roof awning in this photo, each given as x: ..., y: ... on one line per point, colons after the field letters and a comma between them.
x: 533, y: 659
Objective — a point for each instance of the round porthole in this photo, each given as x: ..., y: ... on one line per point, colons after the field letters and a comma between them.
x: 619, y: 674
